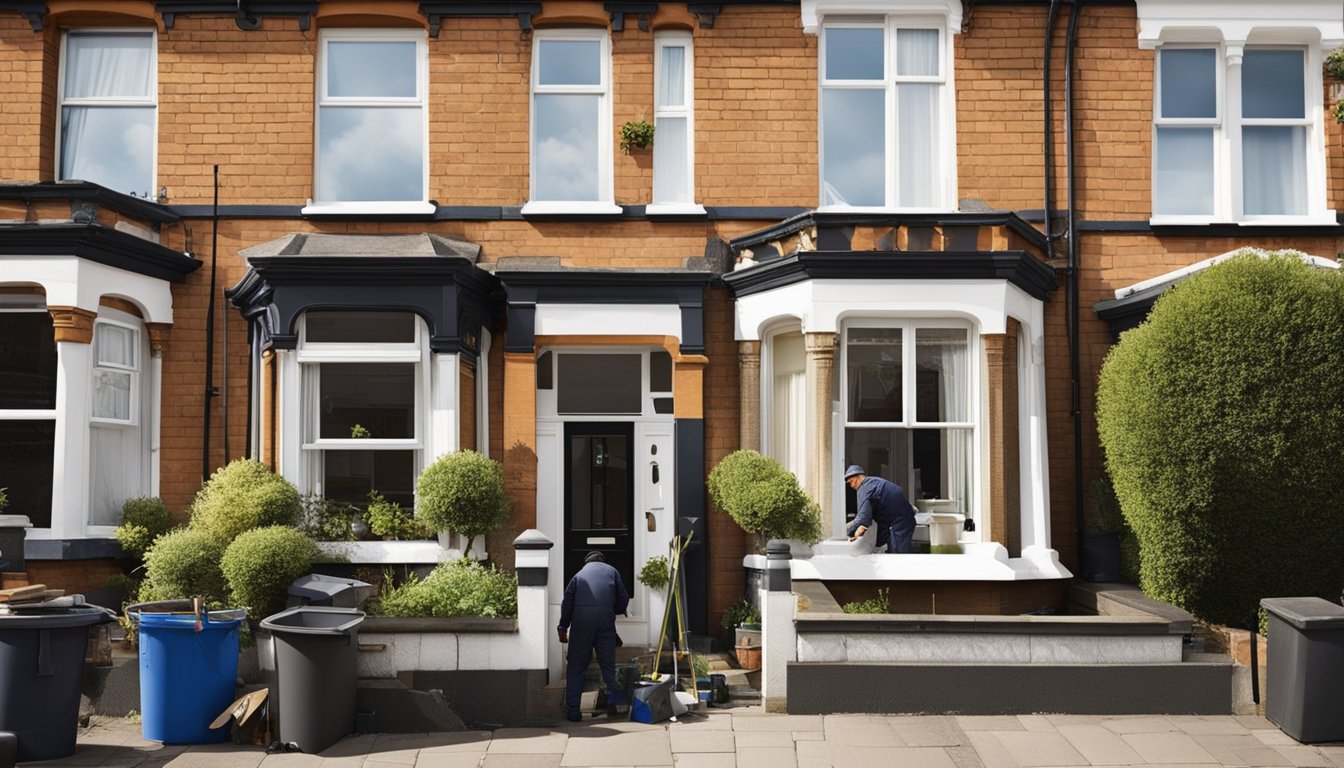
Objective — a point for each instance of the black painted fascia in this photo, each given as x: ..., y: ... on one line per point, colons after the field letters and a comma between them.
x: 1017, y: 267
x: 97, y: 243
x: 828, y: 220
x: 32, y: 10
x: 1122, y: 314
x: 247, y: 14
x: 89, y: 192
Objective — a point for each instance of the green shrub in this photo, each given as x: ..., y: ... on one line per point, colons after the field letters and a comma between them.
x: 461, y: 587
x: 741, y: 612
x: 655, y: 573
x: 879, y: 604
x: 142, y: 521
x: 1222, y: 420
x: 244, y: 495
x: 388, y: 520
x: 764, y: 498
x: 261, y: 563
x: 4, y: 500
x: 184, y: 563
x: 325, y: 520
x: 462, y: 492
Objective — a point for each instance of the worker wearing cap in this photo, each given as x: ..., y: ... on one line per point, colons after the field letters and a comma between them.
x: 882, y: 502
x: 592, y: 599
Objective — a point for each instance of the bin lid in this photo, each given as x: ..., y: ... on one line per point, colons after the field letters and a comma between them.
x: 60, y: 618
x: 314, y: 620
x: 1306, y: 612
x: 315, y: 586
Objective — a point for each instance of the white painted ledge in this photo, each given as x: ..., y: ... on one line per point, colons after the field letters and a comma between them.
x: 389, y: 552
x: 979, y: 562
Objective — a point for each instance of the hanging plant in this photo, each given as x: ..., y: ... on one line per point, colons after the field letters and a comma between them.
x: 637, y: 134
x: 1334, y: 64
x: 655, y: 573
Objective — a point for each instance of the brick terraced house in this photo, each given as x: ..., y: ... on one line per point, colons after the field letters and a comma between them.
x: 899, y: 233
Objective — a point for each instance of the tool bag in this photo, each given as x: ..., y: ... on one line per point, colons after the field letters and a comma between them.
x: 652, y: 701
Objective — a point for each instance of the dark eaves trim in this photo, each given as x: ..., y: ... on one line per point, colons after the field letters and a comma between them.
x: 487, y: 213
x: 369, y: 270
x: 94, y: 193
x: 248, y: 14
x: 1017, y: 267
x: 809, y: 219
x: 598, y: 287
x: 99, y: 244
x: 32, y: 10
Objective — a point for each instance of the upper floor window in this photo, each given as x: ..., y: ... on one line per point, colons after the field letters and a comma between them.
x: 1236, y: 142
x: 371, y: 146
x: 108, y: 98
x: 674, y: 135
x: 571, y: 122
x: 886, y: 135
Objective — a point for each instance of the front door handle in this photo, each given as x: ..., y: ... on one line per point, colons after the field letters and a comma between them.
x: 653, y: 472
x: 650, y: 521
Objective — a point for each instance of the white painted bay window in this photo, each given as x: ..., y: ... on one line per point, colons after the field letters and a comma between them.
x: 886, y: 129
x: 371, y: 149
x: 118, y: 438
x: 907, y: 395
x: 674, y: 126
x: 28, y: 371
x: 109, y: 109
x: 571, y: 123
x: 364, y: 403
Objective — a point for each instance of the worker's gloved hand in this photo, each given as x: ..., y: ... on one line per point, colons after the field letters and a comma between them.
x: 564, y: 634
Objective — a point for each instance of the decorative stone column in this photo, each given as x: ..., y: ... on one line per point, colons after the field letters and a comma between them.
x: 779, y: 639
x: 749, y: 405
x: 1005, y: 496
x: 73, y: 331
x: 820, y: 393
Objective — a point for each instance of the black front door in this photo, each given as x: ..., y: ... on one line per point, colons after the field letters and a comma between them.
x: 600, y: 496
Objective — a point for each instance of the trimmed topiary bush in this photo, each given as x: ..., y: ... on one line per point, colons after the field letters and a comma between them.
x: 461, y: 587
x: 184, y: 563
x: 462, y: 492
x: 143, y: 520
x: 764, y: 498
x: 261, y: 563
x: 244, y: 495
x: 1222, y: 420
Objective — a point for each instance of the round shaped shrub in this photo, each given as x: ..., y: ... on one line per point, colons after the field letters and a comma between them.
x: 261, y: 563
x: 1222, y: 420
x: 764, y: 498
x: 656, y: 573
x: 462, y: 492
x: 184, y: 563
x: 461, y: 587
x: 142, y: 521
x: 243, y: 495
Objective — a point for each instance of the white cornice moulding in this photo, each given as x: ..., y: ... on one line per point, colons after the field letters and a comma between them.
x: 814, y: 10
x: 1237, y: 21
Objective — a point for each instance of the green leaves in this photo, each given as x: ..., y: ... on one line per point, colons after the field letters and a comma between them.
x: 763, y: 497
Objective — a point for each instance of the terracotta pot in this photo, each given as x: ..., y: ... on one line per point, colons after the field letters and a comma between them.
x: 749, y: 657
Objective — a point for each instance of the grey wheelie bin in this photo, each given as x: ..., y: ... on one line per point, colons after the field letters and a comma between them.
x: 1304, y: 692
x: 316, y: 650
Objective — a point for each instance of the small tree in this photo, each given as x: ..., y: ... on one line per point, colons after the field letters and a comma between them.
x: 184, y: 563
x: 244, y: 495
x: 1222, y: 420
x: 462, y: 492
x: 261, y: 563
x: 764, y: 498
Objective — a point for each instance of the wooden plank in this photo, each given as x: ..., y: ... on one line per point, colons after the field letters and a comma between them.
x: 20, y: 593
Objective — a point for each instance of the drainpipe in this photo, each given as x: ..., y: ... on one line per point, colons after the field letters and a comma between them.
x: 1071, y: 293
x: 210, y: 391
x: 1048, y: 139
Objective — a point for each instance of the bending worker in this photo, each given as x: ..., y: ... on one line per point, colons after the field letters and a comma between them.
x: 592, y: 599
x: 883, y: 502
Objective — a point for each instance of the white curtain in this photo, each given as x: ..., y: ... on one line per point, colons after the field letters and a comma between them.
x: 788, y: 444
x: 113, y: 387
x: 671, y: 164
x: 108, y: 144
x: 917, y: 118
x: 114, y: 472
x: 955, y: 407
x: 672, y: 80
x: 1274, y: 170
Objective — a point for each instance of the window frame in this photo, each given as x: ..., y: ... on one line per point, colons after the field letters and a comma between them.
x: 605, y: 199
x: 686, y: 41
x: 150, y: 100
x: 133, y: 419
x: 1228, y: 191
x: 316, y: 206
x: 944, y: 193
x: 311, y: 356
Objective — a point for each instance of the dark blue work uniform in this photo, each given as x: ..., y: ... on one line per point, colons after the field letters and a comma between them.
x: 592, y: 599
x: 883, y: 502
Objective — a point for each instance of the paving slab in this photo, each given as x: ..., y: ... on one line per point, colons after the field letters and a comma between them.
x: 685, y: 740
x: 527, y: 741
x: 1035, y: 749
x: 988, y: 723
x: 1140, y: 724
x: 645, y: 747
x: 1305, y: 756
x: 1100, y: 745
x: 447, y: 760
x: 1168, y: 748
x: 753, y: 739
x: 861, y: 731
x: 520, y: 760
x: 932, y: 731
x: 703, y: 760
x: 757, y: 719
x: 767, y: 757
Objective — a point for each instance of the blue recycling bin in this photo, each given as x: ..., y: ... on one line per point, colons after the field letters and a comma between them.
x: 188, y: 674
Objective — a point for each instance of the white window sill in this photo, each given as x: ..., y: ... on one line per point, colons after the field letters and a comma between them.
x: 368, y: 209
x: 569, y: 207
x: 674, y: 209
x: 880, y: 209
x: 1326, y: 219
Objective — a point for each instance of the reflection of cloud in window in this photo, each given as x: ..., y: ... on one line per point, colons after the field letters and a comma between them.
x: 566, y: 153
x: 109, y: 146
x: 855, y: 147
x: 369, y: 153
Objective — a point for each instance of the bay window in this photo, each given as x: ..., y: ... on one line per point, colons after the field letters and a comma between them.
x: 108, y: 110
x: 27, y: 408
x: 906, y: 394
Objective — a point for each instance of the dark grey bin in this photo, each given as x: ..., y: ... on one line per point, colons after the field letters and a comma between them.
x: 1304, y: 690
x: 316, y: 650
x: 316, y: 589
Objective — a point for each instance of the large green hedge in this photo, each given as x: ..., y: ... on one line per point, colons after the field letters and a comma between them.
x: 244, y: 495
x: 1222, y: 420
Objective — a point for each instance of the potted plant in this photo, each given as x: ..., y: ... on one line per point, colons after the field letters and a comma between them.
x: 764, y: 498
x: 744, y: 619
x: 636, y: 134
x: 655, y: 574
x: 463, y: 493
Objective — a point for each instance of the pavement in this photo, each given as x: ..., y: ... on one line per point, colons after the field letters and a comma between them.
x: 748, y: 737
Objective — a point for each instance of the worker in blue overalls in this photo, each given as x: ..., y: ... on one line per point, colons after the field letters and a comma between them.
x: 592, y: 599
x: 883, y: 502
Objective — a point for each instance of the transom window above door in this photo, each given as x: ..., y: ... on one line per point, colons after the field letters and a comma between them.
x: 604, y: 383
x: 886, y: 134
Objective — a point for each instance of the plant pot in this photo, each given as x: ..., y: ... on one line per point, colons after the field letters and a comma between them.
x: 748, y: 635
x: 748, y: 657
